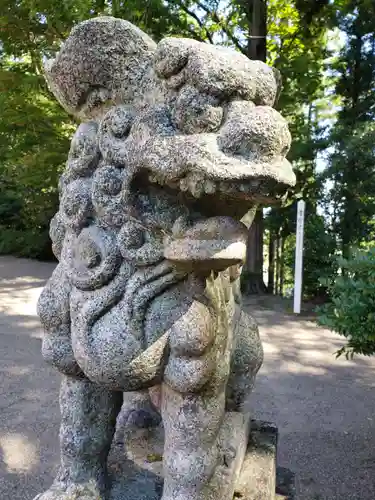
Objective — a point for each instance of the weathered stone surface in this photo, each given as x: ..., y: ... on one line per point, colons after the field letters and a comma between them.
x: 247, y: 358
x: 178, y: 145
x: 137, y: 459
x: 260, y: 479
x: 136, y: 462
x: 258, y: 475
x: 216, y: 71
x: 105, y: 60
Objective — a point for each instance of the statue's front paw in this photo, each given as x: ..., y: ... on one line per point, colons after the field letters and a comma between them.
x: 72, y: 492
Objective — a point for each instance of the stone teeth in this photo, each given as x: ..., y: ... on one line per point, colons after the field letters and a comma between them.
x: 209, y: 186
x: 155, y: 179
x: 223, y: 187
x: 234, y: 187
x: 184, y: 185
x: 179, y: 227
x: 196, y: 186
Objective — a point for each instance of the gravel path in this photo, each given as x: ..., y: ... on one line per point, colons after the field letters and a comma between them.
x: 324, y: 407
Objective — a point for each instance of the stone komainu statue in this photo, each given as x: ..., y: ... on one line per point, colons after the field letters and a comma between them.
x: 178, y: 142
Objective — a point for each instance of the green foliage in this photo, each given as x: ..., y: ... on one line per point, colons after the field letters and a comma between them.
x: 317, y: 89
x: 319, y: 257
x: 34, y: 244
x: 351, y: 310
x: 351, y: 166
x: 298, y: 47
x: 34, y: 140
x: 34, y: 130
x: 10, y: 205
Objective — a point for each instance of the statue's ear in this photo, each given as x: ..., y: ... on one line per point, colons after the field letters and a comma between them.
x: 103, y: 61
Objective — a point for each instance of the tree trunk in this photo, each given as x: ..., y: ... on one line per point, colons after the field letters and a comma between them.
x: 271, y: 263
x: 254, y: 262
x: 115, y: 8
x: 277, y: 255
x: 350, y: 206
x: 256, y: 49
x: 282, y: 269
x: 257, y: 41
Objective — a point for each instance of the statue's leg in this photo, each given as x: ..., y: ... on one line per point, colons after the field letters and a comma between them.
x: 88, y: 421
x: 193, y: 398
x: 192, y: 424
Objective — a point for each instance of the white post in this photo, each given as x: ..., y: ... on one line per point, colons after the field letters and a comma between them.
x: 299, y: 256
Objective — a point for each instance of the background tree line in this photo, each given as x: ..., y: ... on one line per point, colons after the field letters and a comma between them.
x: 325, y: 50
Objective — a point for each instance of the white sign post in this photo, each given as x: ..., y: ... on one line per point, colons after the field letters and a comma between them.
x: 299, y: 256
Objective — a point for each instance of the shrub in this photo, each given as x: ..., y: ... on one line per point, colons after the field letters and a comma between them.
x: 351, y: 310
x: 25, y: 243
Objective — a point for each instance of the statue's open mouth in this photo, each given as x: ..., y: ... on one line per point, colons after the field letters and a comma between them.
x: 216, y: 196
x: 203, y: 235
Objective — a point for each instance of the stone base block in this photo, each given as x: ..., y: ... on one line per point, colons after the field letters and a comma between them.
x: 139, y: 475
x: 247, y: 473
x: 260, y: 478
x: 257, y: 479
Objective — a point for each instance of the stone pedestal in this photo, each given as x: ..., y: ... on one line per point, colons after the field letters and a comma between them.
x: 248, y: 471
x: 257, y: 480
x: 140, y: 475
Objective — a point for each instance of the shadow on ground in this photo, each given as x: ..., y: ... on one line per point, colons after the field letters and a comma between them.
x: 324, y: 407
x: 28, y: 388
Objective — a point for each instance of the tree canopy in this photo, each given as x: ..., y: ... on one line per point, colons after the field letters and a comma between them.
x: 325, y: 51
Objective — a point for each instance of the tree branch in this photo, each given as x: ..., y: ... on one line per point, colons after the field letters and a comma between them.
x: 199, y: 21
x: 214, y: 16
x: 57, y: 31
